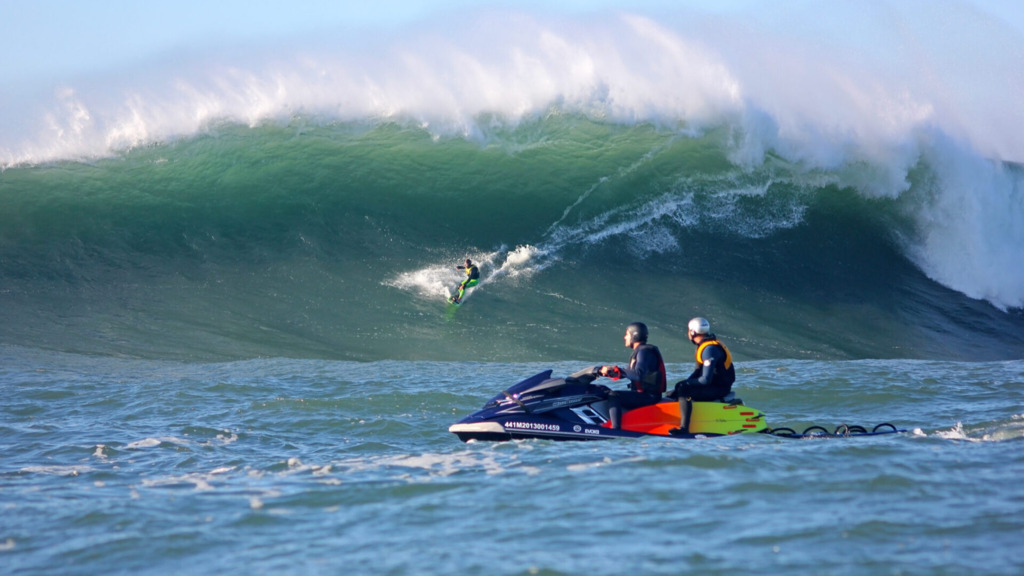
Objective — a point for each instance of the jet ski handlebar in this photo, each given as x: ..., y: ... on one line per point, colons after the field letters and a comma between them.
x: 585, y: 376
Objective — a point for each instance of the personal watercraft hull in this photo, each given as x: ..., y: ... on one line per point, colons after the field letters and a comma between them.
x: 572, y: 408
x: 528, y: 427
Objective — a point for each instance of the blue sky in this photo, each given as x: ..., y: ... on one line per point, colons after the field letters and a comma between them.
x: 44, y: 41
x: 46, y: 38
x: 54, y: 39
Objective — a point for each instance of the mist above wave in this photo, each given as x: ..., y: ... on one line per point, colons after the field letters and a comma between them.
x: 791, y: 82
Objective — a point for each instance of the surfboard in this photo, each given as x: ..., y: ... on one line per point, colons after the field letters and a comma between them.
x: 706, y: 418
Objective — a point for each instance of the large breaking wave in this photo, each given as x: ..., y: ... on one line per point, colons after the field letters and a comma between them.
x: 717, y: 123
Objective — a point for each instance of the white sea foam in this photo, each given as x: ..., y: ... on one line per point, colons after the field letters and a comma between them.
x: 434, y: 464
x: 152, y: 442
x: 500, y: 265
x: 794, y: 87
x: 433, y: 281
x: 519, y: 259
x: 200, y: 481
x: 227, y: 437
x: 441, y: 279
x: 972, y: 227
x: 57, y: 470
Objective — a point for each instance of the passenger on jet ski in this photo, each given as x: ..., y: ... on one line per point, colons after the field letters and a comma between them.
x: 714, y: 375
x: 646, y: 374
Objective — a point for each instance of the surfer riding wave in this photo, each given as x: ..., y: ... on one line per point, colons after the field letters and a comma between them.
x: 472, y: 279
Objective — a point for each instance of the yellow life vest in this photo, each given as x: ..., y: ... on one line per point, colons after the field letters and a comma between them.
x: 705, y: 344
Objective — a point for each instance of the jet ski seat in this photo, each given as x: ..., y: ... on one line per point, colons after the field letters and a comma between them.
x: 729, y: 398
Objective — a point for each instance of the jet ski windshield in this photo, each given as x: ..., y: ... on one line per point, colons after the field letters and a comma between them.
x: 536, y: 383
x: 531, y: 393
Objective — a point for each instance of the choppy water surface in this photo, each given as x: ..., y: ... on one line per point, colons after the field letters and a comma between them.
x: 291, y: 466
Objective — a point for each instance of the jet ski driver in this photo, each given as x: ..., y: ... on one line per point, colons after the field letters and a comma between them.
x: 646, y: 373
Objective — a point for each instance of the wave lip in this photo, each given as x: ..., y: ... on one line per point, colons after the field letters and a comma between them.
x: 627, y: 68
x: 970, y: 226
x: 797, y: 90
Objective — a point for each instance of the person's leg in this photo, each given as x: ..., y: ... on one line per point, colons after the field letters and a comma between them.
x: 459, y: 292
x: 698, y: 393
x: 624, y: 400
x: 687, y: 395
x: 616, y: 404
x: 615, y: 411
x: 685, y: 408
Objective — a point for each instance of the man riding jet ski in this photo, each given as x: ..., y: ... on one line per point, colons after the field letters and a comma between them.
x: 573, y: 408
x: 576, y: 409
x: 645, y: 371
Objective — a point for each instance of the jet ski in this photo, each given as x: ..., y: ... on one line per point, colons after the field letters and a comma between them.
x: 574, y: 408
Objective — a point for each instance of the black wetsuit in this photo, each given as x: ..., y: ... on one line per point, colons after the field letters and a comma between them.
x: 714, y: 375
x: 472, y: 278
x: 646, y: 373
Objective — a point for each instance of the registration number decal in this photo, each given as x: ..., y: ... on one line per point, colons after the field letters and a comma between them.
x: 534, y: 426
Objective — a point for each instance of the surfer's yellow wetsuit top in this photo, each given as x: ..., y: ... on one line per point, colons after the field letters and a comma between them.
x: 472, y: 277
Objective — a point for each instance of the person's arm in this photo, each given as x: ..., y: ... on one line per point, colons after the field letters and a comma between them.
x: 646, y: 362
x: 710, y: 357
x: 613, y: 372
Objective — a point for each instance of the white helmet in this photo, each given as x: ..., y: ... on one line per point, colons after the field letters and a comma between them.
x: 699, y: 326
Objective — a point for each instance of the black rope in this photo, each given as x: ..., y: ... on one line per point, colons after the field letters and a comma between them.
x: 842, y: 431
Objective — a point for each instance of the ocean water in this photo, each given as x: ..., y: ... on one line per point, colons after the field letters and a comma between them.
x: 340, y: 241
x: 225, y: 346
x: 288, y: 466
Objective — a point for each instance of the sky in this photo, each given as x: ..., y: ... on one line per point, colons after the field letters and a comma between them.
x: 47, y: 38
x: 55, y: 39
x: 58, y: 39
